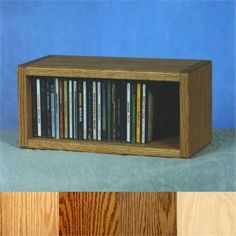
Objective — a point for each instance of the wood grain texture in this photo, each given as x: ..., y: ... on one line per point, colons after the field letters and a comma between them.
x: 110, y: 67
x: 117, y: 214
x: 195, y: 110
x: 115, y: 63
x: 29, y: 214
x: 168, y: 147
x: 24, y: 108
x: 206, y: 214
x: 147, y: 214
x: 21, y: 108
x: 88, y: 213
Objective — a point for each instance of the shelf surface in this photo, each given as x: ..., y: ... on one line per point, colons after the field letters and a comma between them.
x: 116, y: 63
x: 168, y: 147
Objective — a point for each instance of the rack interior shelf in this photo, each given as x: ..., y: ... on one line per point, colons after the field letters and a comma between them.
x: 183, y: 102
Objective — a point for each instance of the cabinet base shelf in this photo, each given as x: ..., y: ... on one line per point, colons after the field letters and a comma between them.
x: 168, y: 147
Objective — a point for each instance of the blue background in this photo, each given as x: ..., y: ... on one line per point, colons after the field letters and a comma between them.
x: 172, y: 29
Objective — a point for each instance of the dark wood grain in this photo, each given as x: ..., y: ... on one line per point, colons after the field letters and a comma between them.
x: 111, y: 67
x: 195, y: 110
x: 117, y: 214
x: 147, y: 214
x: 116, y: 63
x: 88, y: 213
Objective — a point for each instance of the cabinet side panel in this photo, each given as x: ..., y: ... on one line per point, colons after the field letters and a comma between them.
x: 197, y: 107
x: 24, y: 108
x: 184, y: 117
x: 21, y: 108
x: 28, y: 107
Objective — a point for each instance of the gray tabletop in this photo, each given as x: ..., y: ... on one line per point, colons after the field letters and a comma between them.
x: 213, y: 169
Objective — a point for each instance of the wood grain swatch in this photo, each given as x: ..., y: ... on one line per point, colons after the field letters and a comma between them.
x: 147, y: 214
x: 28, y: 214
x: 88, y: 213
x: 206, y: 214
x: 117, y: 214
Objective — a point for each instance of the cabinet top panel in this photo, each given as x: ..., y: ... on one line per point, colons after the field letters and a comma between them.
x: 116, y: 64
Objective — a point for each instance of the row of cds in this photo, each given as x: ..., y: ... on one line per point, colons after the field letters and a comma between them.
x: 101, y: 110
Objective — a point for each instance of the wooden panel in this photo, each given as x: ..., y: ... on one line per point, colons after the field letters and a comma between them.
x: 28, y: 108
x: 147, y: 214
x: 29, y: 214
x: 195, y: 110
x: 116, y: 63
x: 88, y: 213
x: 21, y: 106
x: 24, y: 108
x: 102, y: 74
x: 206, y: 214
x: 117, y: 214
x: 168, y: 147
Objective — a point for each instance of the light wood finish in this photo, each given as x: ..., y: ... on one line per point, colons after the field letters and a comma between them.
x: 206, y: 214
x: 196, y: 110
x: 193, y: 76
x: 117, y: 214
x: 29, y: 214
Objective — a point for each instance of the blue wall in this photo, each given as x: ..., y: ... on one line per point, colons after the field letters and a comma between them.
x: 181, y: 29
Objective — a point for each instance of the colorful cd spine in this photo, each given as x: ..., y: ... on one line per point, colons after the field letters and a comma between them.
x: 70, y: 109
x: 52, y: 93
x: 80, y: 110
x: 57, y: 109
x: 118, y: 111
x: 108, y: 110
x: 143, y: 119
x: 38, y: 107
x: 65, y: 109
x: 104, y: 111
x: 90, y: 110
x: 128, y: 133
x: 48, y: 104
x: 75, y: 110
x: 99, y: 112
x: 113, y: 109
x: 84, y: 110
x: 61, y: 109
x: 43, y: 98
x: 133, y: 112
x: 138, y: 113
x: 94, y: 111
x: 123, y: 110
